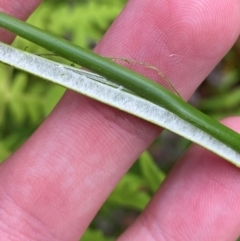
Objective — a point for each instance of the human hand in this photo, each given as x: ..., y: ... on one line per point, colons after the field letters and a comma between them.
x: 53, y: 186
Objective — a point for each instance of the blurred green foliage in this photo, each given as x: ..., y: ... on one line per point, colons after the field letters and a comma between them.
x: 130, y: 197
x: 26, y: 101
x: 220, y: 93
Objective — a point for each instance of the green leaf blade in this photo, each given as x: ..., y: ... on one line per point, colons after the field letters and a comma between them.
x: 136, y: 83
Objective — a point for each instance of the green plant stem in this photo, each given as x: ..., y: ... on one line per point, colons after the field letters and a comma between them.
x: 124, y: 77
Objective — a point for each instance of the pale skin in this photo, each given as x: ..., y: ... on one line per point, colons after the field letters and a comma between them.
x: 52, y: 187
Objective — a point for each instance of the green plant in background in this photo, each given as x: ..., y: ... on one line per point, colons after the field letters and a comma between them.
x: 226, y: 97
x: 138, y: 187
x: 27, y: 100
x: 82, y: 23
x: 24, y: 104
x: 220, y: 93
x: 93, y: 234
x: 129, y: 198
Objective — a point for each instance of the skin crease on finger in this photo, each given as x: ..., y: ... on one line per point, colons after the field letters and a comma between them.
x: 58, y: 180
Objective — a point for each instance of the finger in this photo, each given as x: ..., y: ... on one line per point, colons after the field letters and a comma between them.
x: 21, y: 9
x: 63, y: 174
x: 198, y: 201
x: 183, y: 39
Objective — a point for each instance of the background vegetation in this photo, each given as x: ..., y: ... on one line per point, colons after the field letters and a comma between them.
x: 26, y: 101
